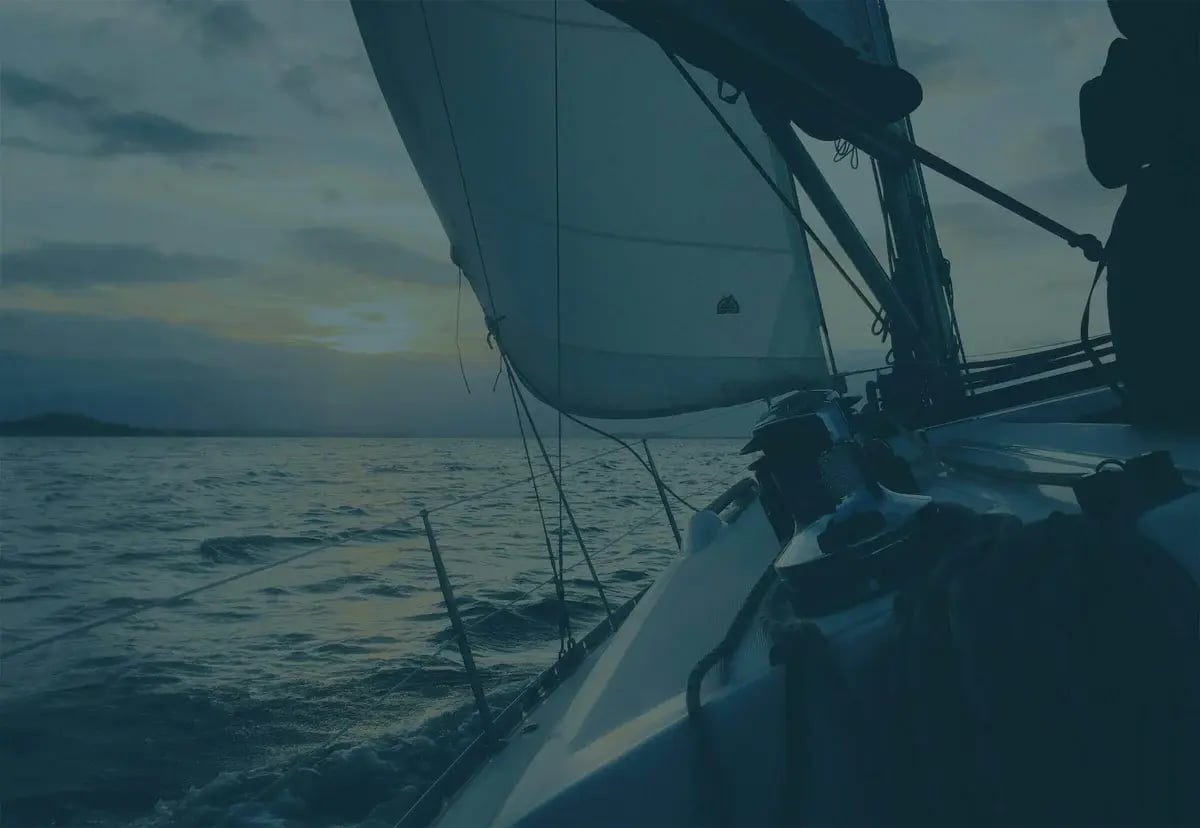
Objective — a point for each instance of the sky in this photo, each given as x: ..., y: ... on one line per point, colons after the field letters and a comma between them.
x: 208, y: 219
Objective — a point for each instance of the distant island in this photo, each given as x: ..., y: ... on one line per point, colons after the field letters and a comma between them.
x: 77, y: 425
x: 59, y: 424
x: 70, y: 424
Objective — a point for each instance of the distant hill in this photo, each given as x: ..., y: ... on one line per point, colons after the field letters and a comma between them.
x: 56, y: 424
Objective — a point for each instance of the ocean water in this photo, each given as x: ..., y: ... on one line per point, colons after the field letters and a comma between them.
x: 327, y: 691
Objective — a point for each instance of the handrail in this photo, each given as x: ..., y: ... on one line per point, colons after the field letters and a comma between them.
x: 735, y: 492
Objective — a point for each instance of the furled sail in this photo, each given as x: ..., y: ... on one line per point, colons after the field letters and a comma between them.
x: 630, y: 260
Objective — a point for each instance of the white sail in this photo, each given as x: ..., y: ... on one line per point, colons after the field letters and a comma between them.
x: 641, y: 246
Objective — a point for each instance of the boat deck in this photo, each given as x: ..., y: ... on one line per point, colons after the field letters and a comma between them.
x: 632, y: 688
x: 631, y: 685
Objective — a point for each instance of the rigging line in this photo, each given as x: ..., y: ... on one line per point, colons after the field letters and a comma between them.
x: 570, y: 515
x: 510, y: 484
x: 564, y: 620
x: 457, y: 331
x: 794, y: 199
x: 889, y: 239
x: 906, y: 148
x: 558, y: 317
x: 635, y: 526
x: 634, y: 452
x: 462, y: 176
x: 788, y: 205
x: 325, y: 748
x: 1085, y: 339
x: 154, y: 603
x: 888, y: 235
x: 1032, y: 350
x: 843, y: 149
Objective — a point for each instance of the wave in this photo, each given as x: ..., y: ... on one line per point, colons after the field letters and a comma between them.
x: 387, y: 590
x: 508, y: 628
x: 389, y: 468
x: 338, y: 583
x: 246, y: 547
x: 370, y: 783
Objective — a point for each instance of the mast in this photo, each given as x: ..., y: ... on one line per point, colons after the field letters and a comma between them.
x: 921, y: 271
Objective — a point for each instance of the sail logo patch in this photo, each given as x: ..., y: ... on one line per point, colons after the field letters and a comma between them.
x: 728, y: 304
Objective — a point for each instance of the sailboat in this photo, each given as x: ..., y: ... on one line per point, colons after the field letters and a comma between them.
x: 631, y: 227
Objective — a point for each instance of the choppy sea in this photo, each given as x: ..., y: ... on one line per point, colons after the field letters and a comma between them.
x: 326, y: 691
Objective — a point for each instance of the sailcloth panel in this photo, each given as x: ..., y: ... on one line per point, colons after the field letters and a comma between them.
x: 631, y: 259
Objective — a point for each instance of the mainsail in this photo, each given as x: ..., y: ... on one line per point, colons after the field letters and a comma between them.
x: 630, y: 260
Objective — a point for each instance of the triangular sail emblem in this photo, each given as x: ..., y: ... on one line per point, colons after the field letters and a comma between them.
x: 728, y: 304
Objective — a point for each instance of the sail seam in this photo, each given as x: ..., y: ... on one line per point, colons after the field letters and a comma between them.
x: 670, y: 242
x: 495, y: 8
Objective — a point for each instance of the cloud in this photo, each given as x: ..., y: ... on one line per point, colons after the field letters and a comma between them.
x: 221, y: 27
x: 1059, y: 144
x: 151, y: 373
x: 65, y: 265
x: 332, y: 86
x: 110, y: 131
x: 138, y: 133
x: 925, y: 56
x: 1067, y: 186
x: 367, y: 256
x: 26, y: 92
x: 980, y: 225
x: 943, y: 65
x: 300, y: 83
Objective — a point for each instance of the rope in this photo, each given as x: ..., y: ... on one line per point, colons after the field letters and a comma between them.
x: 635, y: 526
x: 325, y: 748
x: 570, y: 641
x: 709, y: 766
x: 888, y: 233
x: 1026, y: 349
x: 879, y: 326
x: 165, y: 601
x: 153, y: 603
x: 457, y: 331
x: 562, y: 495
x: 565, y: 639
x: 1085, y: 340
x: 634, y: 452
x: 766, y: 177
x: 905, y: 147
x: 843, y: 149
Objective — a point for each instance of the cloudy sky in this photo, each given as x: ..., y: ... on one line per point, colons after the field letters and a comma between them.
x: 209, y: 219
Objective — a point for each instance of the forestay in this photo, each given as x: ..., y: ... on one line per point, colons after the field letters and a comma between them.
x: 600, y: 215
